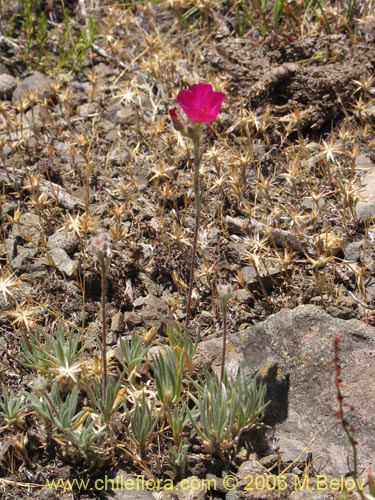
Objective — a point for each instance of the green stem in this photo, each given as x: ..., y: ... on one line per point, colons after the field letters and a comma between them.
x: 198, y: 204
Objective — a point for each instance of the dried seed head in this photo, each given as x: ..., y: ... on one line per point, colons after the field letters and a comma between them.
x: 39, y: 385
x: 100, y: 246
x: 224, y: 291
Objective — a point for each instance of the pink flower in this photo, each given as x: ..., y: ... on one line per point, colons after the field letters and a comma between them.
x: 200, y: 103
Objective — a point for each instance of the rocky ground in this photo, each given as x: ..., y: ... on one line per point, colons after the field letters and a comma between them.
x: 289, y: 202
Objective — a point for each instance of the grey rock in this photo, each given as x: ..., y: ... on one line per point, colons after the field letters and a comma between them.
x: 290, y: 449
x: 61, y: 146
x: 168, y: 495
x: 37, y: 117
x: 102, y: 70
x: 86, y: 110
x: 266, y: 277
x: 215, y: 483
x: 154, y: 311
x: 3, y: 346
x: 24, y: 261
x: 269, y: 460
x: 80, y: 89
x: 132, y: 319
x: 208, y: 355
x: 127, y: 487
x: 370, y: 289
x: 28, y: 228
x: 362, y: 251
x: 61, y: 239
x: 301, y: 341
x: 40, y: 267
x: 192, y: 493
x: 15, y: 177
x: 112, y: 338
x: 310, y: 204
x: 241, y: 296
x: 206, y: 318
x: 232, y: 495
x: 63, y: 262
x: 354, y: 250
x: 250, y: 468
x: 3, y: 69
x: 199, y: 464
x: 109, y: 129
x: 9, y: 207
x: 366, y: 209
x: 260, y: 151
x: 36, y: 83
x: 49, y: 495
x: 149, y: 284
x: 297, y: 471
x: 11, y: 248
x: 119, y: 115
x: 59, y: 194
x: 117, y: 322
x: 259, y: 494
x: 139, y: 302
x: 367, y: 113
x: 363, y: 163
x: 309, y: 495
x: 340, y: 312
x: 7, y: 85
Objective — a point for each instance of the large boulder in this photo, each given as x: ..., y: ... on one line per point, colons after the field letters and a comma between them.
x: 293, y: 350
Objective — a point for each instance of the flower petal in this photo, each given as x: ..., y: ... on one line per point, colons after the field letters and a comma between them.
x: 202, y: 92
x: 186, y: 98
x: 200, y: 103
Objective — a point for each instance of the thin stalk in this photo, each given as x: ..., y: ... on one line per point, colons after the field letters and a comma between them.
x: 348, y: 429
x: 224, y: 292
x: 104, y: 331
x: 101, y: 248
x: 224, y: 311
x: 198, y: 204
x: 84, y: 242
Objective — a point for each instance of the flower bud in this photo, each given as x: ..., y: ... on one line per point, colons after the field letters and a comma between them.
x: 178, y: 119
